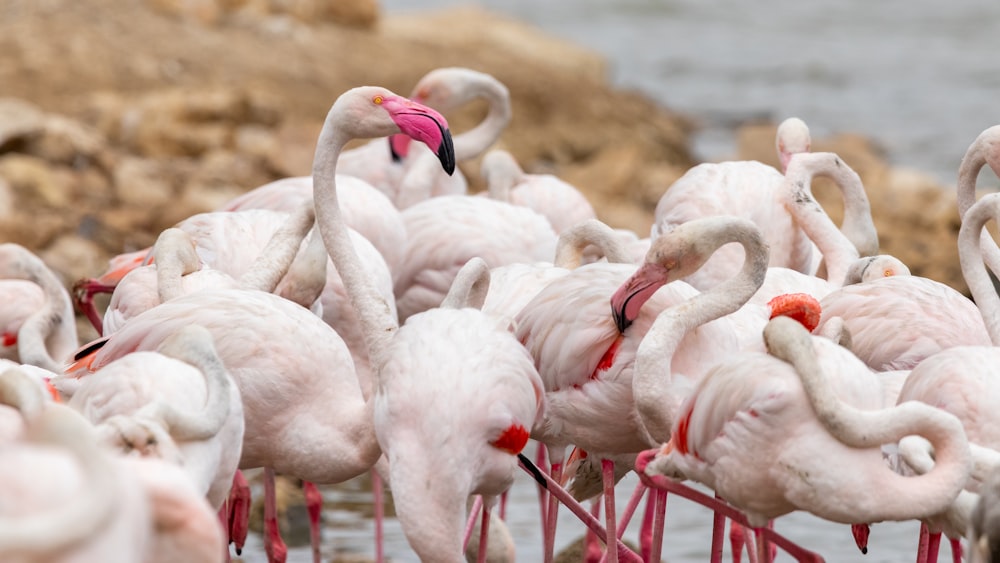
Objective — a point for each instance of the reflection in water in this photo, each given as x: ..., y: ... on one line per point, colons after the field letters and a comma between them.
x: 348, y: 530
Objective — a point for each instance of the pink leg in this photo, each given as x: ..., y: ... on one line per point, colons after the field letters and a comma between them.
x: 646, y: 528
x: 661, y: 482
x: 556, y: 456
x: 503, y: 505
x: 659, y: 519
x: 633, y: 503
x: 737, y: 539
x: 542, y: 495
x: 956, y: 550
x: 273, y: 545
x: 718, y: 531
x: 477, y: 506
x: 314, y: 506
x: 922, y: 542
x: 624, y: 553
x: 484, y: 533
x: 608, y: 468
x: 379, y: 516
x: 592, y: 550
x: 751, y: 546
x: 224, y: 522
x: 933, y: 546
x: 239, y: 511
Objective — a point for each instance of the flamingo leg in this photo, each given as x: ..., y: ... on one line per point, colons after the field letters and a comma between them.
x: 314, y: 506
x: 592, y: 550
x: 956, y: 550
x: 922, y: 542
x: 933, y: 546
x: 379, y: 516
x: 224, y: 522
x: 540, y: 462
x: 624, y: 553
x: 556, y: 456
x: 646, y: 528
x: 633, y: 503
x: 718, y: 531
x: 477, y: 506
x: 239, y: 511
x: 737, y: 539
x: 484, y: 531
x: 659, y: 519
x: 275, y: 548
x: 610, y: 515
x: 503, y: 505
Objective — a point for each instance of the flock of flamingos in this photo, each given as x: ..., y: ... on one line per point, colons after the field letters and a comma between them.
x: 375, y: 316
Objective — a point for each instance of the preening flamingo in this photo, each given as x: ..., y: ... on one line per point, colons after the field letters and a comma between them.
x: 560, y: 202
x: 75, y: 502
x: 791, y: 138
x: 43, y: 325
x: 177, y: 404
x: 871, y: 268
x: 760, y: 193
x: 307, y: 411
x: 807, y: 410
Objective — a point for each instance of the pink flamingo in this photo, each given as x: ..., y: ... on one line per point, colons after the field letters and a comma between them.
x: 984, y: 150
x: 77, y: 503
x: 447, y: 89
x: 807, y: 410
x: 177, y: 404
x: 560, y: 202
x: 759, y: 192
x: 308, y: 412
x: 445, y: 232
x: 791, y: 138
x: 39, y: 326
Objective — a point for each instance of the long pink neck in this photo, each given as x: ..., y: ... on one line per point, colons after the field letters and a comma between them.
x: 971, y: 255
x: 968, y: 172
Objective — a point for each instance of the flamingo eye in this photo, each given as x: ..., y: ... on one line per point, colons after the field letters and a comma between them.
x: 887, y: 273
x: 377, y: 100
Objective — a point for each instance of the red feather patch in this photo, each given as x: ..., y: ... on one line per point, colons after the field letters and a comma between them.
x: 511, y: 440
x: 608, y: 358
x: 9, y: 338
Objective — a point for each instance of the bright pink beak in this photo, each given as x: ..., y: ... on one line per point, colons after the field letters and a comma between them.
x: 423, y: 124
x: 633, y: 294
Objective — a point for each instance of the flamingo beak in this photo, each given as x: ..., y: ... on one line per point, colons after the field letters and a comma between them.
x: 423, y: 124
x: 399, y: 147
x: 630, y: 297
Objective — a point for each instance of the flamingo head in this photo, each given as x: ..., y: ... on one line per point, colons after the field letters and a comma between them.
x: 792, y: 138
x: 633, y: 294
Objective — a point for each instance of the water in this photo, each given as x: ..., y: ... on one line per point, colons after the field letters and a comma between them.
x: 917, y: 76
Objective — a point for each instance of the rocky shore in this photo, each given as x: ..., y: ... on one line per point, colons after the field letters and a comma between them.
x: 117, y: 119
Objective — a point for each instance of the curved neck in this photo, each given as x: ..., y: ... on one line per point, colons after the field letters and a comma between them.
x: 276, y: 258
x: 573, y: 241
x: 899, y: 497
x: 470, y: 286
x: 50, y: 331
x: 306, y: 277
x: 655, y: 401
x: 193, y: 346
x: 475, y: 141
x: 971, y: 236
x: 968, y: 172
x: 378, y: 324
x: 175, y: 257
x: 840, y: 247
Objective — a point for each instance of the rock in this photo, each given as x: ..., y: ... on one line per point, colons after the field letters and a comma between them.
x: 142, y: 183
x: 19, y: 120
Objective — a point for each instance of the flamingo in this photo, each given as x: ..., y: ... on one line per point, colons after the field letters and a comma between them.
x: 964, y: 380
x: 984, y: 150
x: 446, y: 89
x: 445, y: 232
x: 38, y: 314
x: 308, y: 411
x: 76, y: 502
x: 874, y: 267
x: 85, y: 289
x: 177, y: 404
x: 807, y: 410
x: 791, y: 138
x: 758, y: 192
x: 560, y: 202
x: 586, y: 359
x: 984, y: 524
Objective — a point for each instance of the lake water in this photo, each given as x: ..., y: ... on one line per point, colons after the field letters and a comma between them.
x: 919, y: 77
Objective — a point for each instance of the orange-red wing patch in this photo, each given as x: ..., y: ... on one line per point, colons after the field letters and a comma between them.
x: 680, y: 437
x: 512, y: 440
x: 9, y: 338
x: 608, y: 358
x: 52, y: 391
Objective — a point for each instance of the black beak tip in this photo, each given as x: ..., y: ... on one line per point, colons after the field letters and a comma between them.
x: 446, y: 153
x: 621, y: 321
x: 392, y: 152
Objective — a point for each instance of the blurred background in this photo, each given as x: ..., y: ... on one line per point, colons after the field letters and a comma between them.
x: 120, y: 117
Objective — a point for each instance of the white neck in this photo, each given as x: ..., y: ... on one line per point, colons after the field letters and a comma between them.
x: 475, y: 141
x: 276, y: 258
x: 52, y: 329
x: 968, y: 172
x: 858, y: 226
x: 576, y: 239
x: 655, y: 401
x: 971, y: 255
x: 378, y: 324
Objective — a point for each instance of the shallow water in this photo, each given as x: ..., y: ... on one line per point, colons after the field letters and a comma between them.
x: 348, y: 533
